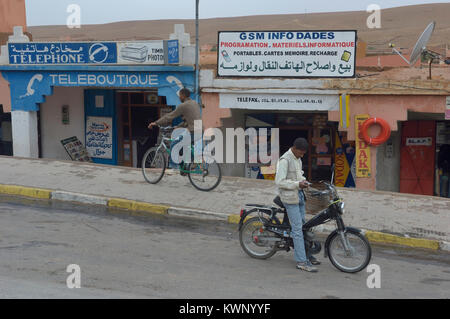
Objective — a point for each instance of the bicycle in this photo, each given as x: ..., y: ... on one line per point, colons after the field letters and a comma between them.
x: 204, y: 176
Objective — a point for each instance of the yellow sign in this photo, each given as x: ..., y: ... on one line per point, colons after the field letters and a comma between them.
x: 341, y: 168
x: 362, y: 148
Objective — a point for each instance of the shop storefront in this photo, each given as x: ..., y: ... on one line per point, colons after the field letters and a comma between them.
x: 98, y: 97
x: 409, y: 161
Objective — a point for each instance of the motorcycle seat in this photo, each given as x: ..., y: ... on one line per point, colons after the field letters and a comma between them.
x: 277, y: 200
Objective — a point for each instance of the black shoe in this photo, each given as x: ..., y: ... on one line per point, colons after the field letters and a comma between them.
x: 314, y: 261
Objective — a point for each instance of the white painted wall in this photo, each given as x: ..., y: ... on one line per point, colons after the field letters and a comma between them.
x: 52, y: 128
x: 25, y: 134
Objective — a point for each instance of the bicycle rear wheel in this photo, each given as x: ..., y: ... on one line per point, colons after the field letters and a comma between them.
x: 205, y: 176
x: 153, y: 165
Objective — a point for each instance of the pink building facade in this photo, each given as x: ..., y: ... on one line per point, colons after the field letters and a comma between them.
x: 413, y: 107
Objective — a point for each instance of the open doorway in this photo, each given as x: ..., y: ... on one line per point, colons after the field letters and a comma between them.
x: 136, y: 110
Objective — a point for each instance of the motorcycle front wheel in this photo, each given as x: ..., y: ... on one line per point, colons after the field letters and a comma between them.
x: 256, y: 241
x: 350, y: 252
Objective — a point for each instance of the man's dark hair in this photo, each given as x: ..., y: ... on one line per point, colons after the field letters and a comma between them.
x: 301, y: 144
x: 185, y: 92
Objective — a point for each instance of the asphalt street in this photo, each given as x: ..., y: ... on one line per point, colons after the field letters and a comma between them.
x: 122, y: 256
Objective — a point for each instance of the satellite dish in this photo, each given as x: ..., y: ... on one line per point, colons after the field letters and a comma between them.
x: 421, y: 44
x: 420, y: 47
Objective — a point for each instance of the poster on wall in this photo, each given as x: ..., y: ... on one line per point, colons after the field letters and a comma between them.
x: 99, y: 137
x: 363, y: 168
x: 76, y: 149
x: 287, y: 53
x: 344, y: 159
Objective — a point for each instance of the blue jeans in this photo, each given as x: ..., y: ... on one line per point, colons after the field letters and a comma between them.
x: 296, y: 214
x: 444, y: 187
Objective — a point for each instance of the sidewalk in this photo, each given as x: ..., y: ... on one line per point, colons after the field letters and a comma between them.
x: 399, y: 214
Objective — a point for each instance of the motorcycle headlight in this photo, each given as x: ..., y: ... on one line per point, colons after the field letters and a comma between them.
x: 342, y: 206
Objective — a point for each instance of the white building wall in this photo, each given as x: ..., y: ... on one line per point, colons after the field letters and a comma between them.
x: 25, y: 134
x: 52, y: 128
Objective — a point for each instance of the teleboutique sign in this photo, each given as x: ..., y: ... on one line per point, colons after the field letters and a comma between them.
x: 76, y: 53
x: 287, y: 53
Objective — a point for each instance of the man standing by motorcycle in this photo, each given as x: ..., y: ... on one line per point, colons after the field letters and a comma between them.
x: 291, y: 182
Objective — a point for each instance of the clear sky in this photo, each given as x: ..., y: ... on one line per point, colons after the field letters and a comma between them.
x: 51, y: 12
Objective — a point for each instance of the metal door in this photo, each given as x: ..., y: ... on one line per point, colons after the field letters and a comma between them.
x: 417, y: 157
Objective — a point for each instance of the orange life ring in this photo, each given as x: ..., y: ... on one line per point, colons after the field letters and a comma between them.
x: 380, y: 139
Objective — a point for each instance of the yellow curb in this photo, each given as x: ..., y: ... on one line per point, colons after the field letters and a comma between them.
x: 25, y: 191
x: 139, y: 208
x: 392, y: 239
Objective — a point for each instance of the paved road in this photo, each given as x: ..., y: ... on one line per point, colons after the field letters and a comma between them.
x: 414, y: 215
x: 169, y: 257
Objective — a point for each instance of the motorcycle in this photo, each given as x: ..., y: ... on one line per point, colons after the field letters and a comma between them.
x: 263, y: 235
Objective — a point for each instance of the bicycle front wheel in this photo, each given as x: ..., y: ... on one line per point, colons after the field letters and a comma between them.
x: 205, y: 176
x: 153, y: 165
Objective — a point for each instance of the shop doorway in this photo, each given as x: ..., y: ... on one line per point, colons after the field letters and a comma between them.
x: 5, y: 133
x: 288, y: 136
x: 136, y: 110
x: 319, y: 133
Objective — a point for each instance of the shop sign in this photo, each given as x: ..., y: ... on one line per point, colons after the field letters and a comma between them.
x: 287, y: 53
x: 99, y: 137
x: 63, y: 53
x: 279, y: 102
x: 78, y: 53
x: 419, y: 141
x: 147, y: 52
x: 28, y: 88
x: 363, y: 167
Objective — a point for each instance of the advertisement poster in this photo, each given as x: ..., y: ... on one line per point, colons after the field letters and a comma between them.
x: 99, y: 137
x: 344, y: 158
x: 363, y: 168
x: 287, y: 53
x: 141, y: 52
x: 76, y: 149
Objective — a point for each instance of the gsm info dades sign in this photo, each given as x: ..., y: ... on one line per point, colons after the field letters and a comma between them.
x: 287, y: 53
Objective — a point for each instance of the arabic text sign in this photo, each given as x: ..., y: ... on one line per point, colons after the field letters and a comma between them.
x: 363, y: 168
x: 287, y: 53
x: 63, y: 53
x: 279, y: 101
x: 99, y: 139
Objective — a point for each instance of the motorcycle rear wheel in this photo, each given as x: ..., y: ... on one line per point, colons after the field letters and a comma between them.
x: 264, y: 246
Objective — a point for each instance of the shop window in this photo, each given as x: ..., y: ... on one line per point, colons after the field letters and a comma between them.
x: 322, y: 142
